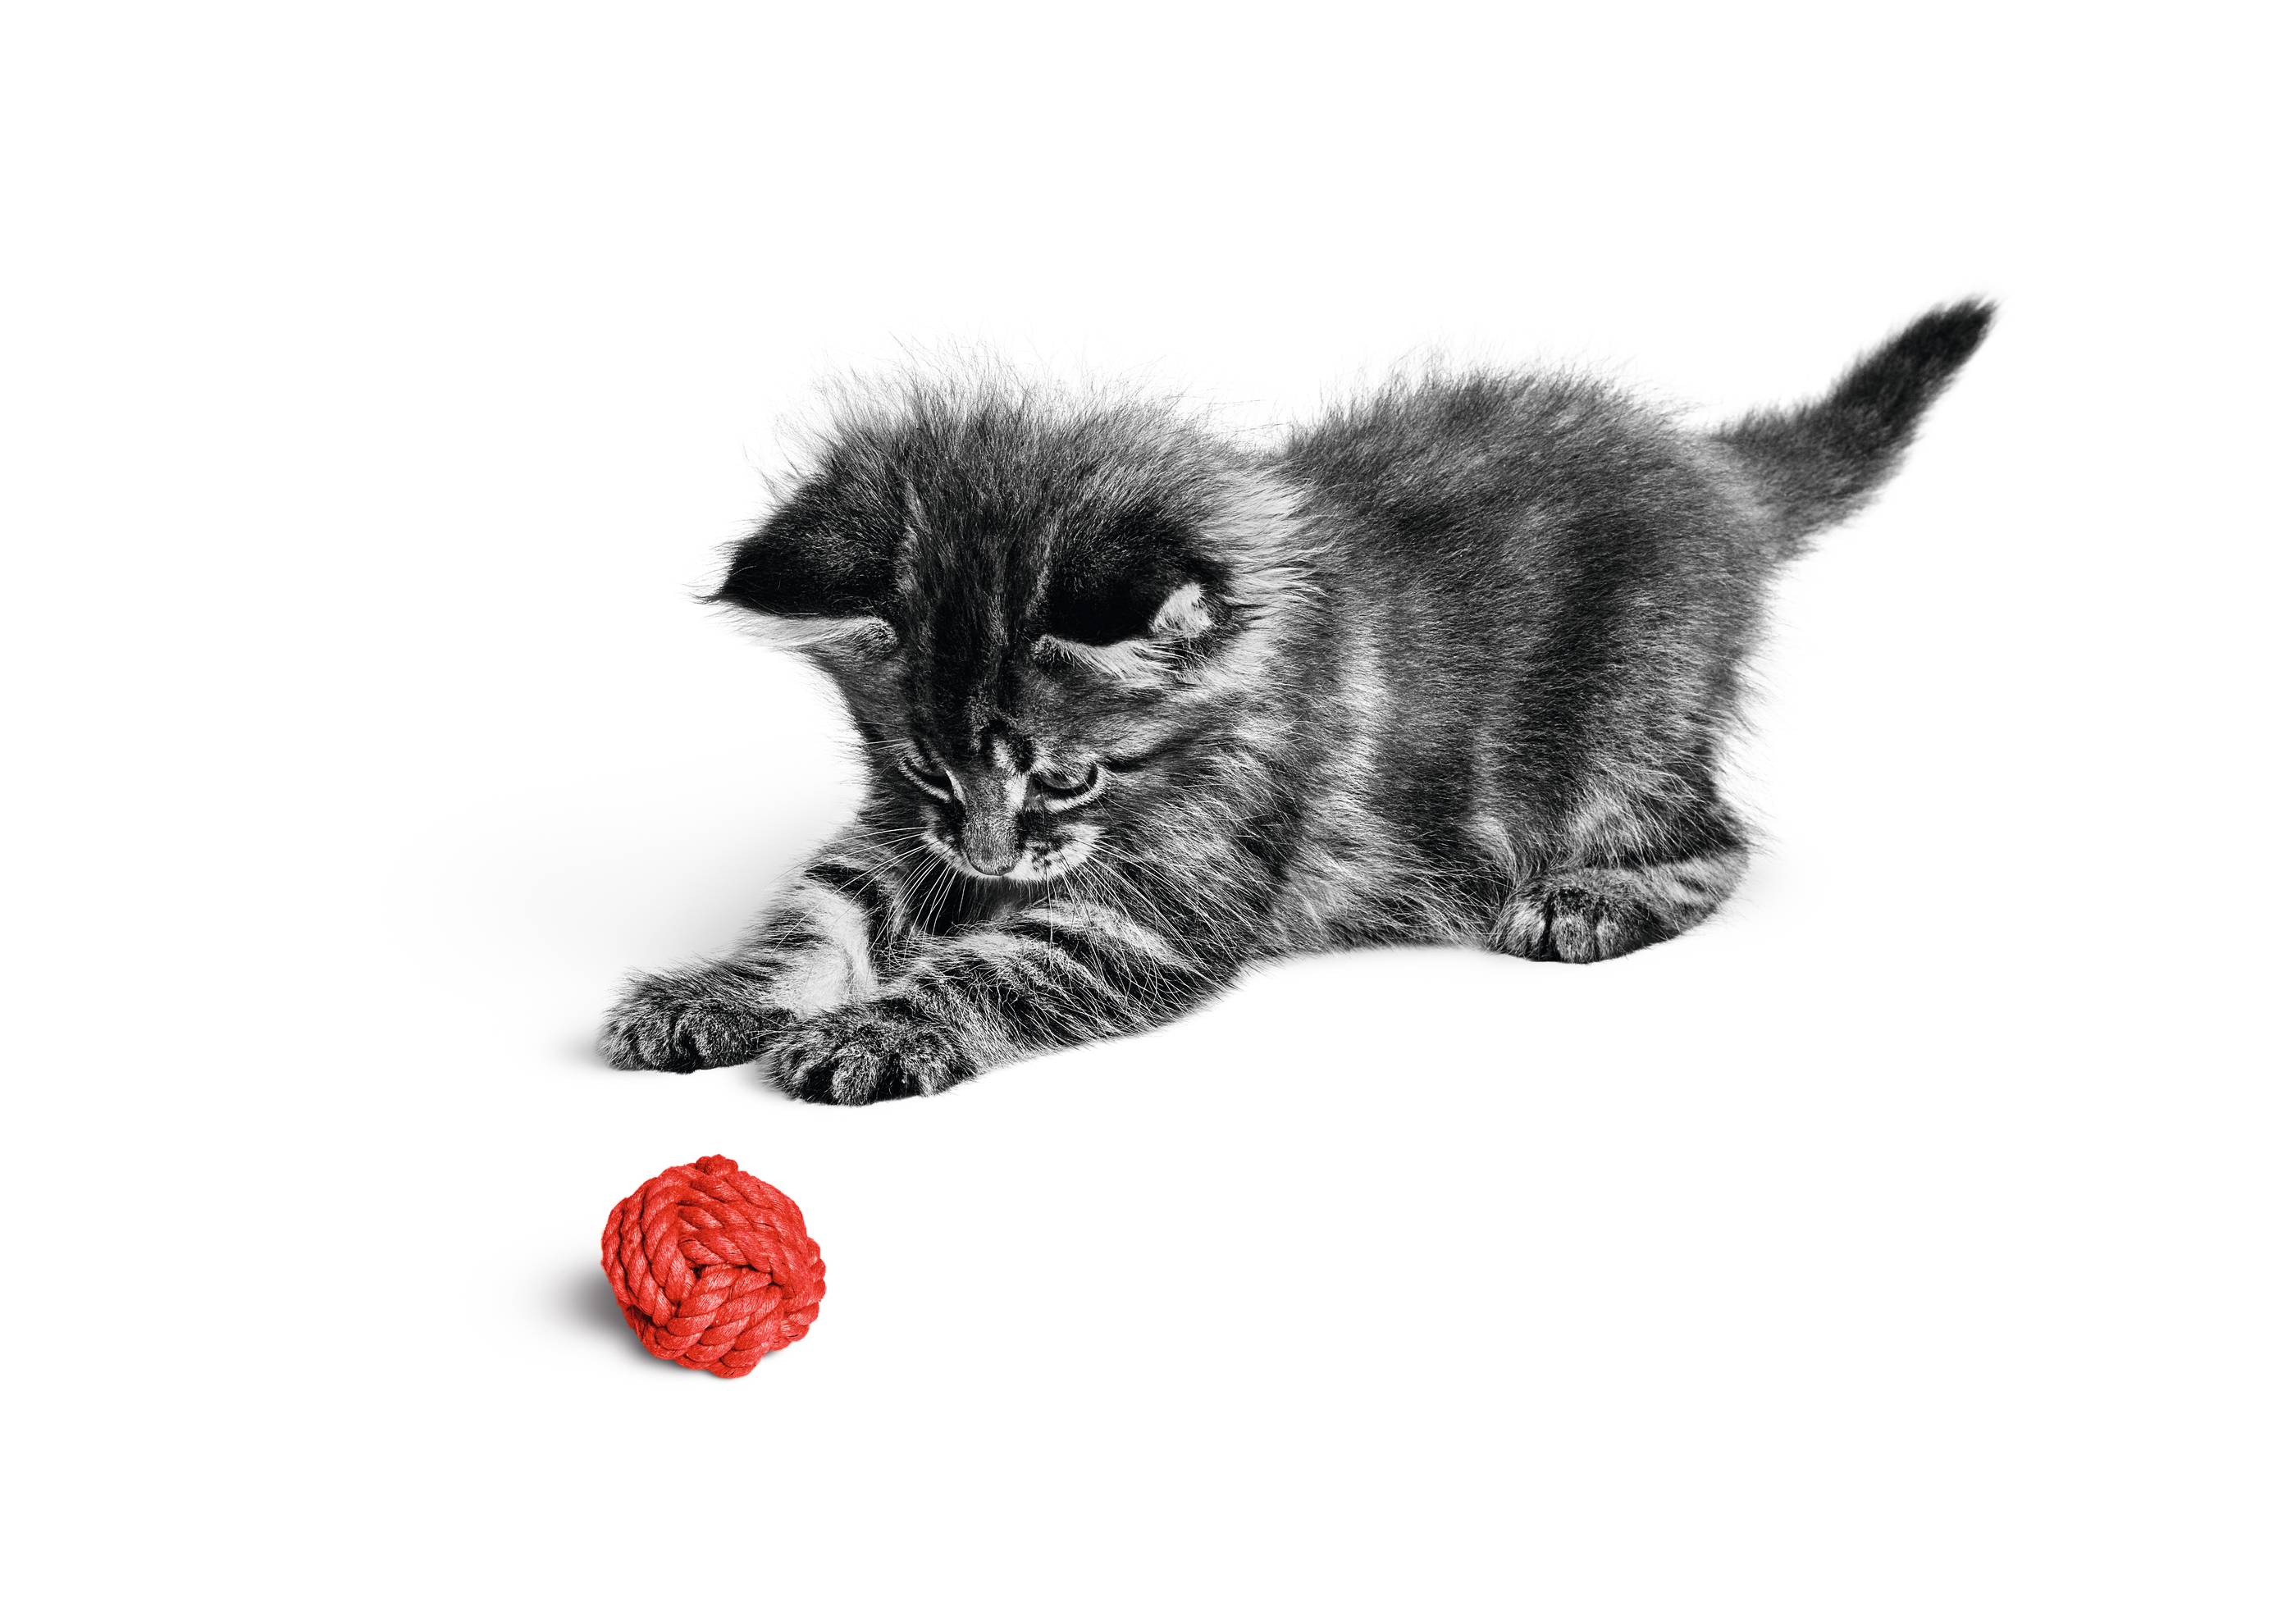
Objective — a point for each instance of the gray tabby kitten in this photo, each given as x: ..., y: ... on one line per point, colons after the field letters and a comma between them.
x: 1454, y: 665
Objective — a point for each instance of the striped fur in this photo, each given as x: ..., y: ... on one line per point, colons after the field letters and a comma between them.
x: 1140, y: 707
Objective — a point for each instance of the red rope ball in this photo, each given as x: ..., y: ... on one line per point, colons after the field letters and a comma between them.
x: 712, y: 1267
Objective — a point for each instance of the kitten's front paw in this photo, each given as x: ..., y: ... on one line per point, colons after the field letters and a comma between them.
x: 688, y: 1021
x: 863, y: 1052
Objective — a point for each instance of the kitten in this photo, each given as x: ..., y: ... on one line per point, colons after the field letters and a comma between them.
x: 1454, y: 665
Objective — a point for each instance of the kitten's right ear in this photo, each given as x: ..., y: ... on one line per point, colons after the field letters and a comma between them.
x: 812, y: 577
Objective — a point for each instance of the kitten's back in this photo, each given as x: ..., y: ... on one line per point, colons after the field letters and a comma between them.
x: 1542, y: 593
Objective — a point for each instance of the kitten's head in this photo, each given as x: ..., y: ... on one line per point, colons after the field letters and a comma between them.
x: 1033, y: 608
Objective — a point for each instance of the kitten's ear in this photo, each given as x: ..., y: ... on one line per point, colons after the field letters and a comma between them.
x: 814, y: 579
x: 1185, y: 614
x: 1260, y: 559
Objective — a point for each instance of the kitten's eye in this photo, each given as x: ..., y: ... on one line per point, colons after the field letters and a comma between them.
x: 927, y: 777
x: 1059, y: 790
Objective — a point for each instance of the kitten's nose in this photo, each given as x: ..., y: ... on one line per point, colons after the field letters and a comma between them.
x: 989, y: 845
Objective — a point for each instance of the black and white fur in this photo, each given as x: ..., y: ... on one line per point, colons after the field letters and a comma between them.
x: 1455, y: 664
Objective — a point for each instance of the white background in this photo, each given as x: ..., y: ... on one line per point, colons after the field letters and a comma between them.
x: 1912, y: 1242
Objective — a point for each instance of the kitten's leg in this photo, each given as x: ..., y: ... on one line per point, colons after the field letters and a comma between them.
x: 826, y: 943
x: 1581, y: 911
x: 1062, y: 971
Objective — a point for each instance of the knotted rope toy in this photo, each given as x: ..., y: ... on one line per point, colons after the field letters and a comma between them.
x: 712, y: 1267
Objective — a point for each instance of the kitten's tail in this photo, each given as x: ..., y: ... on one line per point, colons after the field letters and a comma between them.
x: 1814, y: 465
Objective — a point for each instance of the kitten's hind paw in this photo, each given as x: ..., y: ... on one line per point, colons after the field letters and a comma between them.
x: 864, y: 1053
x: 1580, y: 926
x: 1579, y: 915
x: 688, y: 1021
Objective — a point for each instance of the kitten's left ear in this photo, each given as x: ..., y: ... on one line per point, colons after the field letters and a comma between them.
x: 1146, y: 660
x: 1186, y: 613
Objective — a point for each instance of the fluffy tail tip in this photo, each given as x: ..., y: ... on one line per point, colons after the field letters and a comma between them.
x: 1816, y: 463
x: 1895, y: 382
x: 1950, y: 334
